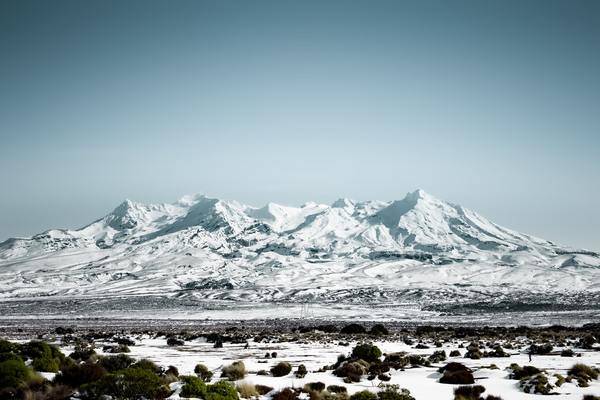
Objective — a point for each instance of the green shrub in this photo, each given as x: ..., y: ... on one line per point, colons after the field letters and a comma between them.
x: 116, y: 363
x: 46, y: 364
x: 353, y: 370
x: 281, y: 369
x: 525, y: 371
x: 193, y: 387
x: 14, y: 374
x: 437, y: 356
x: 148, y: 366
x: 221, y: 390
x: 364, y: 395
x: 9, y: 347
x: 367, y: 352
x: 537, y: 384
x: 76, y: 375
x: 393, y: 392
x: 379, y: 330
x: 234, y: 371
x: 203, y: 372
x: 130, y: 383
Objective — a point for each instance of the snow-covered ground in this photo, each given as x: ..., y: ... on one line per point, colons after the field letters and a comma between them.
x: 422, y: 382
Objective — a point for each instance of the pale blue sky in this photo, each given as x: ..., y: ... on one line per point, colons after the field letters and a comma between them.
x: 492, y: 105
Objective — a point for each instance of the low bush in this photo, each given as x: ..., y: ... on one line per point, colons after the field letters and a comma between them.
x: 281, y: 369
x: 352, y: 329
x: 473, y: 392
x: 314, y: 387
x: 203, y: 372
x: 540, y: 349
x: 147, y: 365
x: 14, y: 374
x: 379, y: 330
x: 285, y: 394
x: 364, y: 395
x: 116, y: 363
x: 526, y: 371
x: 130, y: 383
x: 173, y: 341
x: 537, y: 384
x: 247, y: 390
x: 192, y: 386
x: 367, y: 352
x: 456, y: 374
x: 301, y: 371
x: 263, y: 389
x: 583, y: 373
x: 235, y: 371
x: 567, y: 353
x: 437, y: 356
x: 337, y: 389
x: 353, y: 370
x: 393, y: 392
x: 455, y: 353
x: 76, y: 375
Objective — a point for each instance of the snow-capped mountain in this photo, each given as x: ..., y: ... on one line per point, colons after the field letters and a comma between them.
x: 347, y: 251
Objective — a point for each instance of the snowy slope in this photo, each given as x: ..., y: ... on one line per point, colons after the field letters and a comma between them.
x: 349, y: 251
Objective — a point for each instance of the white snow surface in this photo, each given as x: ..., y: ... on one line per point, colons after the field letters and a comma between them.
x: 349, y: 252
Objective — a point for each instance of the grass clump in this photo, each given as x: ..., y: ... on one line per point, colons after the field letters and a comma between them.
x: 203, y: 372
x: 235, y: 371
x: 583, y: 373
x: 393, y: 392
x: 247, y: 390
x: 192, y: 386
x: 364, y: 395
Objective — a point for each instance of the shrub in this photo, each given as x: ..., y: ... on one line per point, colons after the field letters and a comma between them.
x: 537, y: 384
x: 247, y: 390
x: 456, y: 374
x: 203, y: 372
x: 583, y: 374
x: 352, y: 370
x: 193, y: 387
x: 14, y: 373
x: 497, y: 352
x: 455, y: 353
x: 130, y: 383
x: 301, y: 371
x: 285, y: 394
x: 379, y: 330
x: 567, y: 353
x: 353, y: 329
x: 45, y: 364
x: 364, y: 395
x: 173, y: 341
x: 172, y: 371
x: 525, y: 371
x: 116, y: 363
x: 114, y: 349
x: 337, y: 389
x: 234, y: 371
x: 82, y: 353
x: 540, y: 349
x: 367, y: 352
x: 148, y: 366
x: 281, y: 369
x: 314, y: 386
x: 76, y: 375
x: 263, y: 389
x: 9, y: 347
x: 468, y: 392
x: 392, y: 392
x: 221, y: 390
x: 437, y: 356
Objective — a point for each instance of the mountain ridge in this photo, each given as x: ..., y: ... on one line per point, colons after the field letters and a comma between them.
x: 217, y: 249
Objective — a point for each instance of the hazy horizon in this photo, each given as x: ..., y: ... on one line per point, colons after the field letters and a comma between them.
x: 490, y: 105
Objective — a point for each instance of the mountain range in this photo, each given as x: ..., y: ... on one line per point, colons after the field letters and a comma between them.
x: 419, y: 249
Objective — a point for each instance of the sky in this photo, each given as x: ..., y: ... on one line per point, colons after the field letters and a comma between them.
x: 492, y: 105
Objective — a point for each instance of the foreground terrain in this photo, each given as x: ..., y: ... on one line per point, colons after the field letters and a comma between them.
x: 323, y: 362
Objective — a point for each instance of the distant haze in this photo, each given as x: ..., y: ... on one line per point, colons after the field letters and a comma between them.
x: 492, y: 105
